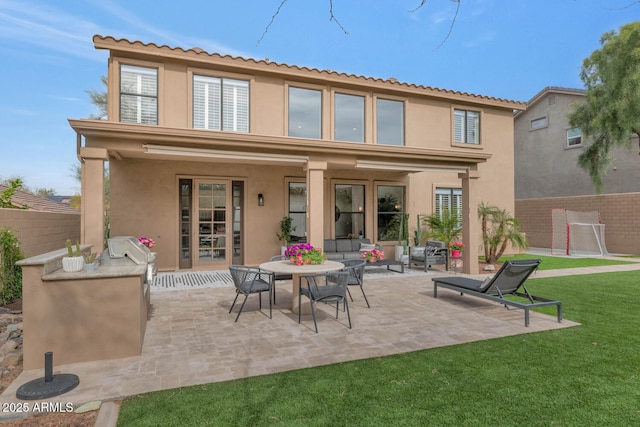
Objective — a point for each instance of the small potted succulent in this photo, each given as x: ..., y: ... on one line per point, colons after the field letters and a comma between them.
x: 74, y: 261
x: 91, y: 262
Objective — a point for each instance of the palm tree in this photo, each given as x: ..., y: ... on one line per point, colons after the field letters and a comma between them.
x: 499, y: 229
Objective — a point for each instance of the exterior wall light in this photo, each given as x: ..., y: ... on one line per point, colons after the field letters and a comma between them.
x: 260, y: 199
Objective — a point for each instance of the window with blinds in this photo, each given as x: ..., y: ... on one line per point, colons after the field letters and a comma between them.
x: 466, y: 127
x: 449, y: 199
x: 138, y: 95
x: 220, y: 104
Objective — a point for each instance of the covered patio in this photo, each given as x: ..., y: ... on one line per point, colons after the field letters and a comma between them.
x: 192, y: 339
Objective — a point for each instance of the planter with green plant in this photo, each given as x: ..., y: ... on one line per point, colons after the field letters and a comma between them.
x: 444, y: 227
x: 91, y: 262
x: 74, y: 261
x: 284, y: 236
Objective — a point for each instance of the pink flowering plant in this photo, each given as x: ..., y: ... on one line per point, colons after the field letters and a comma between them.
x: 304, y: 253
x: 147, y: 241
x: 373, y: 253
x: 456, y: 246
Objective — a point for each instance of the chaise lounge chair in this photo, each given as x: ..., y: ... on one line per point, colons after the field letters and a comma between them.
x: 506, y: 282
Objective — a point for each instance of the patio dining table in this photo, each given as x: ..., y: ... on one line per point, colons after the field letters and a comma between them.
x: 296, y: 271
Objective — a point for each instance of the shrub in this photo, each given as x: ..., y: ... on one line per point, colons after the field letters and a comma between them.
x: 10, y: 273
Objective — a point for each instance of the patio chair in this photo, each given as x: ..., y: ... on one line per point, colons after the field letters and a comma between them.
x: 330, y: 287
x: 251, y: 280
x: 356, y: 278
x: 507, y: 282
x: 279, y: 276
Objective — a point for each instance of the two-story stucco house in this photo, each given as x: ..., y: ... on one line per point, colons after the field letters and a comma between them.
x: 547, y: 174
x: 208, y: 152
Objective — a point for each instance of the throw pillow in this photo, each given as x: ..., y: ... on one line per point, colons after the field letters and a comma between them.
x: 367, y: 247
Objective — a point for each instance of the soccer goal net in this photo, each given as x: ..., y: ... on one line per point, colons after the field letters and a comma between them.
x: 577, y: 233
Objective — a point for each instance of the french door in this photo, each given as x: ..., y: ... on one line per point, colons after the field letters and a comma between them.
x: 210, y: 223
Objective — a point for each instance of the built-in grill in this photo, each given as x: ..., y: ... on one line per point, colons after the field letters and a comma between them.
x: 125, y: 250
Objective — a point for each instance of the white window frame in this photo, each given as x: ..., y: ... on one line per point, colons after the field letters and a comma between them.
x: 466, y: 126
x: 539, y: 123
x: 145, y: 78
x: 448, y: 198
x: 569, y: 143
x: 220, y: 103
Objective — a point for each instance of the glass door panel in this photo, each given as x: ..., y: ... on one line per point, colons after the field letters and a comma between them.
x: 211, y: 229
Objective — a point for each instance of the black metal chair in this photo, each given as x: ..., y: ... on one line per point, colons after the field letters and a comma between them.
x: 356, y: 278
x: 324, y: 287
x: 251, y: 280
x: 279, y: 276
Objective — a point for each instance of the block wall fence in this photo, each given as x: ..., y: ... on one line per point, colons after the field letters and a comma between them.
x: 619, y: 212
x: 41, y: 232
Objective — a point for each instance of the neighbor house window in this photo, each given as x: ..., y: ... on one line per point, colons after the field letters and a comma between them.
x: 349, y: 118
x: 389, y: 122
x: 390, y: 211
x: 574, y: 137
x: 466, y: 127
x: 349, y: 211
x: 220, y: 104
x: 138, y: 95
x: 298, y: 210
x: 449, y: 199
x: 539, y: 123
x: 305, y: 113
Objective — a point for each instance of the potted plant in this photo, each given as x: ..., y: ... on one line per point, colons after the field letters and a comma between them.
x: 456, y: 249
x: 304, y: 253
x: 286, y: 228
x: 444, y: 227
x: 372, y: 255
x: 91, y: 262
x: 74, y: 261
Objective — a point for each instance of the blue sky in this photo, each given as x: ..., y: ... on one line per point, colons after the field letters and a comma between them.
x: 502, y: 48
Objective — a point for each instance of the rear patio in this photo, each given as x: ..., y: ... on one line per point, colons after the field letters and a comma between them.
x: 192, y: 339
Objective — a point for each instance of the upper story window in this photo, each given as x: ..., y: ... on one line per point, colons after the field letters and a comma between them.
x: 539, y: 123
x: 574, y: 137
x: 138, y: 94
x: 220, y: 104
x: 389, y: 122
x: 349, y: 118
x: 466, y: 127
x: 305, y: 113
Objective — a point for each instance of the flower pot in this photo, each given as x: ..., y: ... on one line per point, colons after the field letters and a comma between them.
x: 372, y: 259
x: 455, y: 253
x: 92, y: 266
x: 72, y: 264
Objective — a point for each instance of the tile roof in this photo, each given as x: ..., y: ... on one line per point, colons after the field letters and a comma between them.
x: 266, y: 62
x: 37, y: 203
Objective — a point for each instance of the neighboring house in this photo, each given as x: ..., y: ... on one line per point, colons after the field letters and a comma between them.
x: 41, y: 225
x: 65, y: 200
x: 30, y: 201
x: 208, y: 152
x: 547, y: 174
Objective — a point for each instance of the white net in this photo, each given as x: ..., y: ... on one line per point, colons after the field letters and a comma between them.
x: 577, y: 233
x: 586, y: 239
x: 559, y: 242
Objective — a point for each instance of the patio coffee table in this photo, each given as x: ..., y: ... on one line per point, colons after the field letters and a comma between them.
x: 388, y: 263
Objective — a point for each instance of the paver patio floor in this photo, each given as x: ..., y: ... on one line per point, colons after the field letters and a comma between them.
x: 192, y: 339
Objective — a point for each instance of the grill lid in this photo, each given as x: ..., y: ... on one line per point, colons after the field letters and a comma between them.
x: 129, y: 247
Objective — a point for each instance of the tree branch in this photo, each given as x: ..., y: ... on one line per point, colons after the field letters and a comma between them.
x: 273, y: 18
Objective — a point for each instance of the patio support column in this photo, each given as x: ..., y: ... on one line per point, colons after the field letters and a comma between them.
x: 470, y: 225
x: 92, y: 191
x: 315, y: 202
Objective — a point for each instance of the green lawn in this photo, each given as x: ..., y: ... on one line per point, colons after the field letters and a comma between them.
x: 557, y: 262
x: 580, y: 376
